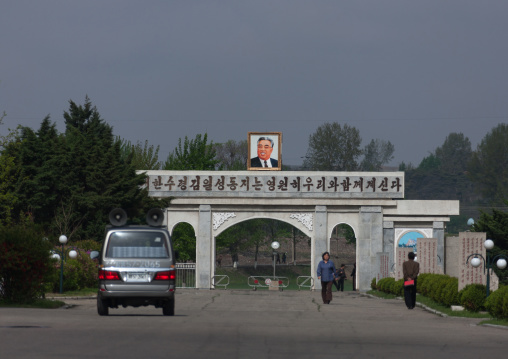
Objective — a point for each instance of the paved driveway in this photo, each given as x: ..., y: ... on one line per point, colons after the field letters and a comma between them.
x: 247, y: 324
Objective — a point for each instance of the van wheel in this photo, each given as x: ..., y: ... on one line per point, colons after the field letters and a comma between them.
x: 102, y: 306
x: 168, y: 308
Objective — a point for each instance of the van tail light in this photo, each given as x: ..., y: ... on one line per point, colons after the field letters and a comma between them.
x: 108, y: 275
x: 166, y: 275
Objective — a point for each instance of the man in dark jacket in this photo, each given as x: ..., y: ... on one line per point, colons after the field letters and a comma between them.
x: 339, y: 278
x: 410, y: 270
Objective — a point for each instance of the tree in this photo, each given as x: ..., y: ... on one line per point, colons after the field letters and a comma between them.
x: 9, y: 172
x: 25, y: 264
x: 144, y: 157
x: 495, y: 225
x: 73, y: 180
x: 429, y: 163
x: 376, y: 154
x: 193, y: 155
x: 184, y: 240
x: 333, y: 148
x: 231, y: 155
x: 488, y: 167
x: 454, y: 154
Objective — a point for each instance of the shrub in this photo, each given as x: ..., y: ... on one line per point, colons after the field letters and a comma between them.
x: 397, y: 287
x: 25, y: 264
x: 472, y: 297
x: 424, y: 283
x: 384, y: 284
x: 373, y: 284
x: 436, y: 288
x: 497, y: 303
x: 88, y: 245
x: 78, y: 273
x: 450, y: 293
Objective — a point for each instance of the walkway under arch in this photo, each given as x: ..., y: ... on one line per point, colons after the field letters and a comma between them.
x: 314, y: 202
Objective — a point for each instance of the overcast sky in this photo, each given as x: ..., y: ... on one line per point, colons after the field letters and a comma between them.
x: 409, y: 72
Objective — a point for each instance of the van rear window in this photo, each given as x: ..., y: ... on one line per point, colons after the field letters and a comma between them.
x: 137, y: 244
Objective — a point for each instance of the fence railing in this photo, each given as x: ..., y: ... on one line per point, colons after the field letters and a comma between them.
x: 305, y: 282
x: 274, y: 283
x: 220, y: 281
x: 185, y: 275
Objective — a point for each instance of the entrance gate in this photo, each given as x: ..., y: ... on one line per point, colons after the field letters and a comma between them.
x: 314, y: 202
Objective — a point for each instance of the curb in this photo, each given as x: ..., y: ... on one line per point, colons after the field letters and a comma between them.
x: 74, y: 298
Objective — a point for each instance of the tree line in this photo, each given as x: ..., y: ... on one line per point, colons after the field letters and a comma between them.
x: 68, y: 182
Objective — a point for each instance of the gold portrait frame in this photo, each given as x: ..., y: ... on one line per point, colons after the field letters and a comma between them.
x: 252, y: 158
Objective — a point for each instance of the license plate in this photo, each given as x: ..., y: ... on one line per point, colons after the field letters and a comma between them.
x: 137, y: 277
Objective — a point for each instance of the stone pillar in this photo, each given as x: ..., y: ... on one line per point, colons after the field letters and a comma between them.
x: 319, y: 241
x: 369, y: 242
x: 438, y: 232
x: 388, y: 242
x: 203, y: 248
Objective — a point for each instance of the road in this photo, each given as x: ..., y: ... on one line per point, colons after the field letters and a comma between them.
x: 247, y: 324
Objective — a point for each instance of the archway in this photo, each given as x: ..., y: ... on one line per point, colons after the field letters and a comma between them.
x: 343, y: 251
x: 243, y: 250
x: 184, y: 244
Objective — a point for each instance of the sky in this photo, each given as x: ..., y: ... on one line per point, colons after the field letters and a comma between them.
x: 408, y: 72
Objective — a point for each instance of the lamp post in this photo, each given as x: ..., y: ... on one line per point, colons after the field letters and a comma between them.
x: 275, y: 246
x: 60, y: 254
x: 500, y: 261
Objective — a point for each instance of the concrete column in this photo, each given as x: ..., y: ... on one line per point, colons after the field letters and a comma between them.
x: 204, y: 248
x: 369, y: 242
x: 438, y: 232
x: 389, y: 240
x: 319, y: 241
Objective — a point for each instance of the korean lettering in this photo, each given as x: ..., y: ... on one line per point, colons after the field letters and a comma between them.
x: 220, y: 183
x: 359, y: 184
x: 182, y: 184
x: 345, y: 184
x: 169, y: 184
x: 396, y: 183
x: 232, y: 183
x: 308, y: 183
x: 296, y: 183
x: 257, y: 184
x: 372, y: 184
x: 334, y: 184
x: 384, y: 185
x: 207, y: 183
x: 195, y: 184
x: 271, y: 184
x: 321, y: 184
x: 245, y: 183
x: 283, y: 184
x: 157, y: 182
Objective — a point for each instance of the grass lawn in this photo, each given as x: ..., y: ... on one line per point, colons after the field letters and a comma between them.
x: 39, y: 303
x: 85, y: 292
x: 446, y: 310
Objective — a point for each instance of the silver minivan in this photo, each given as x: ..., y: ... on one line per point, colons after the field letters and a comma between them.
x: 136, y: 266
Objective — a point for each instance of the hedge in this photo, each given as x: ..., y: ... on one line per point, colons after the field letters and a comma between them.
x: 497, y: 303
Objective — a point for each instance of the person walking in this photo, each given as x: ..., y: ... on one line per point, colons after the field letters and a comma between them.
x: 353, y: 276
x: 340, y: 276
x: 410, y: 270
x: 326, y: 273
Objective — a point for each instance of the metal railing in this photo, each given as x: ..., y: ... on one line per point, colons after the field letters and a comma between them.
x: 220, y: 281
x: 274, y: 283
x: 185, y: 275
x: 305, y: 282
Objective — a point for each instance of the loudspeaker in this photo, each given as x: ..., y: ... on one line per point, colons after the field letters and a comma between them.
x: 118, y: 217
x: 155, y: 217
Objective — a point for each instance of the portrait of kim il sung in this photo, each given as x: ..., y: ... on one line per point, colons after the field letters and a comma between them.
x: 264, y: 151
